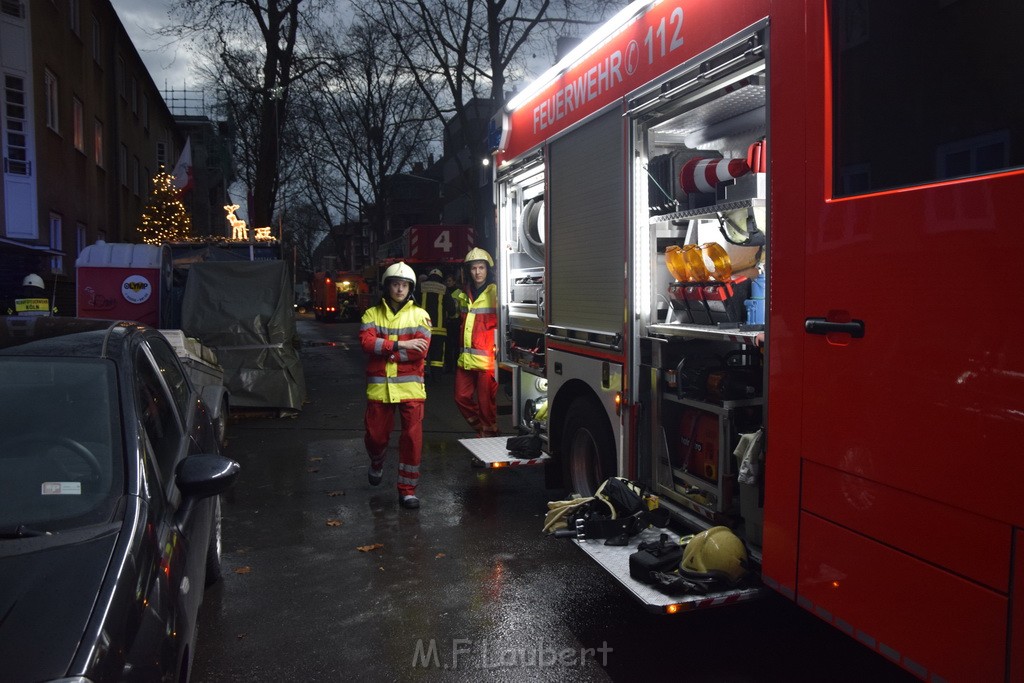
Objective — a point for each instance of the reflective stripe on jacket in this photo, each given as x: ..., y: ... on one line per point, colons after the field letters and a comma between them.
x: 394, y: 375
x: 479, y: 319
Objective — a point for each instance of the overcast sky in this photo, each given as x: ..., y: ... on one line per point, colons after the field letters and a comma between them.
x: 168, y: 64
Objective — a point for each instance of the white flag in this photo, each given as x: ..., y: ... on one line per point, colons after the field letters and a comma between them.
x: 183, y: 169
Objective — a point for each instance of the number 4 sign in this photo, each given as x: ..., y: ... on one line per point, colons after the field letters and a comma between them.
x: 444, y: 241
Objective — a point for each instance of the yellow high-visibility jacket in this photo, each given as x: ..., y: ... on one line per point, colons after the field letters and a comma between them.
x: 479, y: 320
x: 394, y: 375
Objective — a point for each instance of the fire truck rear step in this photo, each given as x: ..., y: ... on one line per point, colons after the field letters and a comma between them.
x: 491, y: 452
x: 615, y: 560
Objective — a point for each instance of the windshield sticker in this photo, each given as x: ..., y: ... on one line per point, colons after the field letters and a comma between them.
x: 62, y: 488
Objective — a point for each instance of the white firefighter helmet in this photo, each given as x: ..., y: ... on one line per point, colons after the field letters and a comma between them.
x: 436, y: 272
x: 401, y: 271
x: 33, y: 280
x: 478, y: 254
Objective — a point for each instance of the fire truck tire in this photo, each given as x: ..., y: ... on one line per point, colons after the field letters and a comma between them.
x: 588, y: 453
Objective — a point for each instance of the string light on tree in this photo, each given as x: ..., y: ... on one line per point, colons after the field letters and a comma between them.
x: 164, y: 218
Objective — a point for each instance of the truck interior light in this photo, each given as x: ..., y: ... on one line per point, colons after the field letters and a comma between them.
x: 530, y: 174
x: 495, y: 465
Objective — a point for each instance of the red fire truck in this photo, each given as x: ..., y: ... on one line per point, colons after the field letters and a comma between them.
x: 752, y: 262
x: 339, y: 296
x: 438, y: 245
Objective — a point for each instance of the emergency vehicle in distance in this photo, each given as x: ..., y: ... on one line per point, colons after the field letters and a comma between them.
x: 763, y: 234
x: 339, y: 296
x: 426, y: 246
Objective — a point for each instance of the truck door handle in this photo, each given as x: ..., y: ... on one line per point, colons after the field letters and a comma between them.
x: 854, y: 328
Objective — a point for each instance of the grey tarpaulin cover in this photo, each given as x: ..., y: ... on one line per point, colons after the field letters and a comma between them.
x: 243, y: 310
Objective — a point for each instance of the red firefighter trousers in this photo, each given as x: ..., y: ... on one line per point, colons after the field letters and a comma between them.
x: 476, y: 393
x: 379, y: 420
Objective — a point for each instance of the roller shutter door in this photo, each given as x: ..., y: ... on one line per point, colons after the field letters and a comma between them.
x: 586, y: 226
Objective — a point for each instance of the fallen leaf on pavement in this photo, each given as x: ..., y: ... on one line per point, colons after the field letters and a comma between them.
x: 318, y: 459
x: 243, y: 570
x: 334, y: 522
x: 438, y: 556
x: 334, y: 494
x: 368, y: 548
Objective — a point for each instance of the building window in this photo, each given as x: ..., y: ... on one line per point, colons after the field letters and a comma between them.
x: 145, y: 111
x: 73, y: 17
x: 56, y: 244
x: 122, y: 165
x: 135, y: 96
x: 135, y: 176
x: 80, y: 238
x: 161, y: 154
x: 121, y: 78
x: 50, y: 91
x: 148, y: 186
x: 97, y: 143
x: 95, y: 39
x: 14, y: 127
x: 78, y: 114
x: 12, y: 8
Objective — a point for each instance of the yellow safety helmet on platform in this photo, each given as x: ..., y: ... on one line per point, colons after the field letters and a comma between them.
x: 715, y: 551
x: 478, y: 254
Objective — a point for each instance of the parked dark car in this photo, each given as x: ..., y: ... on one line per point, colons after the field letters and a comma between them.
x: 110, y: 477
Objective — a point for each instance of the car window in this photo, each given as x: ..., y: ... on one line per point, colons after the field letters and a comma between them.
x: 158, y: 415
x: 61, y: 457
x: 170, y: 369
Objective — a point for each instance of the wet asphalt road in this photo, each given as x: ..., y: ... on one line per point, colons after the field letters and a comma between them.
x: 327, y: 579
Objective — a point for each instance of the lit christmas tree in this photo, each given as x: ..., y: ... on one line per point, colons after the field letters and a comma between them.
x: 164, y: 218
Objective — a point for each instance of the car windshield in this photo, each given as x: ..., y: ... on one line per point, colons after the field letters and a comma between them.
x: 61, y: 465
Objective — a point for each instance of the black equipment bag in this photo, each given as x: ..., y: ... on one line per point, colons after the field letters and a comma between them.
x: 524, y: 447
x: 655, y: 556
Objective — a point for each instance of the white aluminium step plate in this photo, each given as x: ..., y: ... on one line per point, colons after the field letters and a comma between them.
x: 615, y: 560
x: 491, y: 452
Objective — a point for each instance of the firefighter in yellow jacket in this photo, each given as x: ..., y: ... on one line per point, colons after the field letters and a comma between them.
x: 476, y: 388
x: 395, y: 336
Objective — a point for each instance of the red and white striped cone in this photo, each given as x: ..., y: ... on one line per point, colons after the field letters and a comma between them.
x: 703, y: 175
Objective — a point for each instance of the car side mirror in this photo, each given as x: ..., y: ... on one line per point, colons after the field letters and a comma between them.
x: 201, y: 476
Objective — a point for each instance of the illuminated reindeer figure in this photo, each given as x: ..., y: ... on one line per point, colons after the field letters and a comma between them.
x: 238, y: 229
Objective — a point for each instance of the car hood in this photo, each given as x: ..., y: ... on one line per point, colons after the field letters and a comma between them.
x: 49, y: 589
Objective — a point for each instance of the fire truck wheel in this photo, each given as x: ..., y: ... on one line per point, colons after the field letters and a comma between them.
x: 588, y: 454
